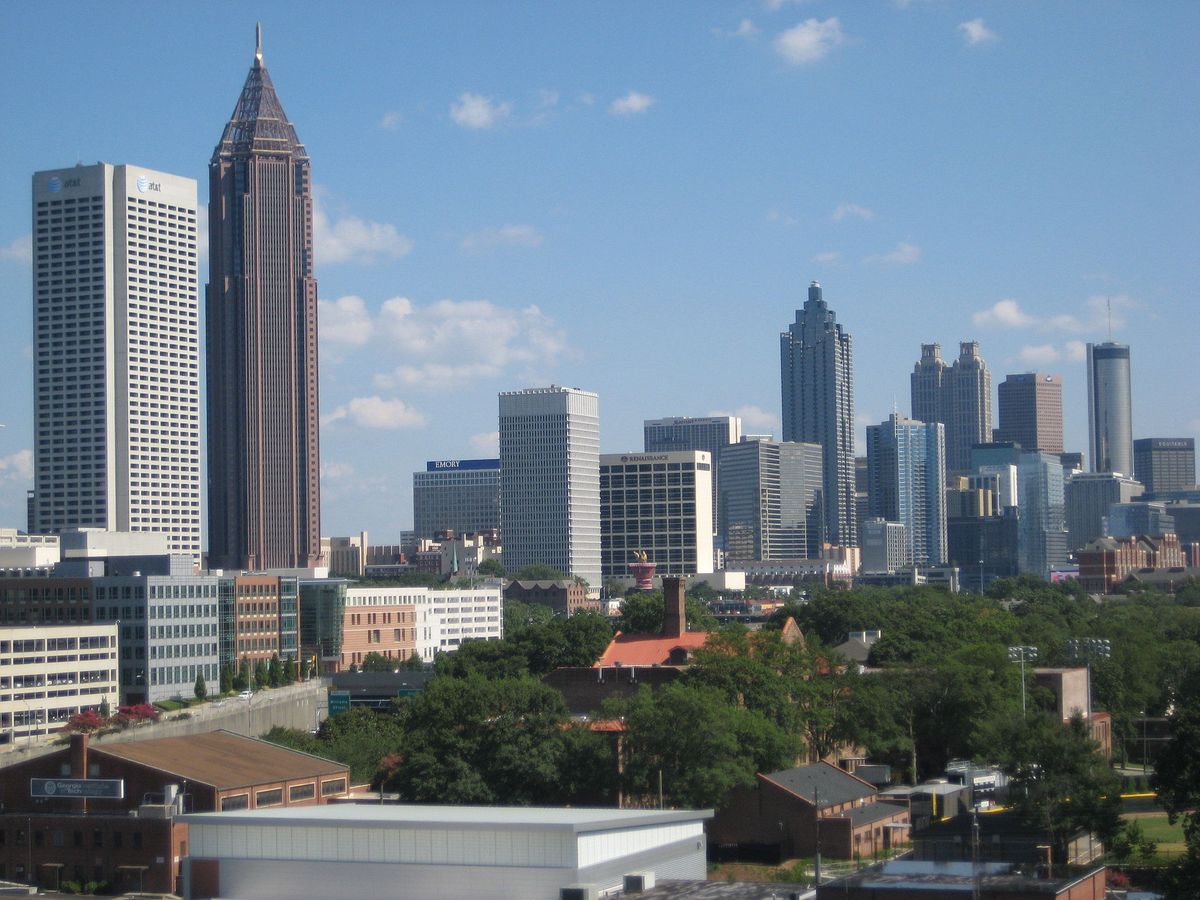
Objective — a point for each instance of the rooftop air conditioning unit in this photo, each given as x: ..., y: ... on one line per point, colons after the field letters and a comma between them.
x: 579, y: 892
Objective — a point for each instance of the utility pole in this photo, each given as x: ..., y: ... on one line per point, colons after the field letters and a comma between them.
x: 1020, y: 653
x: 817, y: 858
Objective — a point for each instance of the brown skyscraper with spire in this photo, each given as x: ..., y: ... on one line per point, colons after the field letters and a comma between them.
x: 264, y: 500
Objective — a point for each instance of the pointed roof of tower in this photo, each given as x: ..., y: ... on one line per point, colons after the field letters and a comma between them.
x: 258, y: 123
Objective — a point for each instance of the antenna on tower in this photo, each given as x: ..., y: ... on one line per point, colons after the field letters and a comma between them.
x: 1108, y: 301
x: 258, y: 41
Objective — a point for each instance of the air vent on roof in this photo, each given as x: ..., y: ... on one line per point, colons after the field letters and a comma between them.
x: 636, y: 882
x: 579, y: 892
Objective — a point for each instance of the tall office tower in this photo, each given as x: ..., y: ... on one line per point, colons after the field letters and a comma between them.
x: 264, y: 499
x: 707, y: 433
x: 818, y: 406
x: 1165, y: 464
x: 926, y: 383
x: 906, y: 472
x: 459, y: 495
x: 1110, y: 408
x: 1042, y: 537
x: 1031, y: 411
x: 958, y: 396
x: 1089, y: 496
x: 969, y: 413
x: 660, y: 503
x: 772, y: 500
x: 550, y: 480
x: 116, y: 353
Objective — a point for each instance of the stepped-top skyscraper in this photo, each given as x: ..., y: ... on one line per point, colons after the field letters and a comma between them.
x: 958, y: 396
x: 817, y: 376
x: 1110, y: 408
x: 263, y: 457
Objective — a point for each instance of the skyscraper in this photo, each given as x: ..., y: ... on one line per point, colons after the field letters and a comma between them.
x: 906, y: 472
x: 1031, y: 411
x: 1088, y: 496
x: 817, y: 383
x: 772, y: 501
x: 1110, y: 408
x: 116, y: 356
x: 1042, y: 533
x: 459, y: 495
x: 958, y: 396
x: 550, y: 480
x: 708, y: 433
x: 263, y: 457
x: 1165, y: 464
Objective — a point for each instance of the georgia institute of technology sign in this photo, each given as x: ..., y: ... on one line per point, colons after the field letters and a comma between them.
x: 106, y: 788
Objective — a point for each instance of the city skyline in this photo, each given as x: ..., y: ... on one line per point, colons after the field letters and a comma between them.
x: 472, y: 204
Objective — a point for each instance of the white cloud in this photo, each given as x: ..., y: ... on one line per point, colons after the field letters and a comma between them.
x: 846, y: 210
x: 1006, y: 313
x: 755, y: 419
x: 547, y: 98
x: 344, y: 321
x: 336, y: 470
x: 391, y: 120
x: 779, y: 217
x: 975, y: 32
x: 478, y: 112
x: 504, y: 236
x: 1076, y: 351
x: 904, y: 254
x: 745, y: 29
x: 1100, y: 313
x: 1038, y: 354
x: 487, y: 443
x: 376, y: 412
x: 809, y: 41
x: 354, y: 240
x: 631, y: 104
x: 587, y: 99
x: 447, y: 344
x: 17, y: 466
x: 21, y: 249
x: 827, y: 257
x: 777, y: 5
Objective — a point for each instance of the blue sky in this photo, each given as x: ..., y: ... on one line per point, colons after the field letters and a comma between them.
x: 633, y: 197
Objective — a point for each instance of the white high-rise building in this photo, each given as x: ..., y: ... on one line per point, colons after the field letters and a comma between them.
x: 550, y: 480
x: 116, y: 353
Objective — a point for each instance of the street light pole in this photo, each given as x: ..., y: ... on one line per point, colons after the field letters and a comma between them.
x: 1020, y: 653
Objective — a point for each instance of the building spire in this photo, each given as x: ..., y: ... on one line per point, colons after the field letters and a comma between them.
x: 258, y: 43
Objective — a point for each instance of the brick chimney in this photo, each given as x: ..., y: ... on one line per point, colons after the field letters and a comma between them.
x: 674, y: 612
x: 79, y: 756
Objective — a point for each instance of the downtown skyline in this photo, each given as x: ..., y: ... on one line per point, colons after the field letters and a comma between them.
x: 633, y: 202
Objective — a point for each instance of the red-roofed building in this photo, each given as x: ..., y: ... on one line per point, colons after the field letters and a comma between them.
x: 673, y: 647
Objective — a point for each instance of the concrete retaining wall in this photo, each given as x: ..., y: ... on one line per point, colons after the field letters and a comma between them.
x: 303, y: 706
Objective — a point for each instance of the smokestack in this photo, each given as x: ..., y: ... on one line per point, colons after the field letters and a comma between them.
x: 674, y: 610
x: 79, y: 756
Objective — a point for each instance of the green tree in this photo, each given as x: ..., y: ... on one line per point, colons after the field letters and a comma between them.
x: 377, y: 662
x: 487, y: 659
x: 274, y: 675
x: 519, y: 615
x: 1060, y: 782
x: 289, y: 670
x: 241, y: 678
x: 201, y: 689
x: 1177, y: 780
x: 262, y: 674
x: 642, y: 613
x: 538, y: 572
x: 360, y: 738
x: 472, y: 740
x: 414, y: 663
x: 105, y: 709
x: 702, y: 746
x: 492, y: 568
x: 226, y: 678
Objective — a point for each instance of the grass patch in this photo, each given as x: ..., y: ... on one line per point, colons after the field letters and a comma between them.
x: 1156, y: 828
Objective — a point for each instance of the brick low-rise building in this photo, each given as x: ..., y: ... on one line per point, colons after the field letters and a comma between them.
x: 1107, y: 561
x: 136, y: 842
x: 780, y: 815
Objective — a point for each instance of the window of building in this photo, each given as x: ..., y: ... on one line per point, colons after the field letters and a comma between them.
x: 333, y: 787
x: 238, y: 801
x: 272, y: 797
x: 299, y: 792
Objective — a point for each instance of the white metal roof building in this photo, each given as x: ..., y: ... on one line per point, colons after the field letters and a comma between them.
x: 436, y: 851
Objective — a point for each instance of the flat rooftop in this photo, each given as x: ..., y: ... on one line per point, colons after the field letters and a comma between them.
x: 414, y: 816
